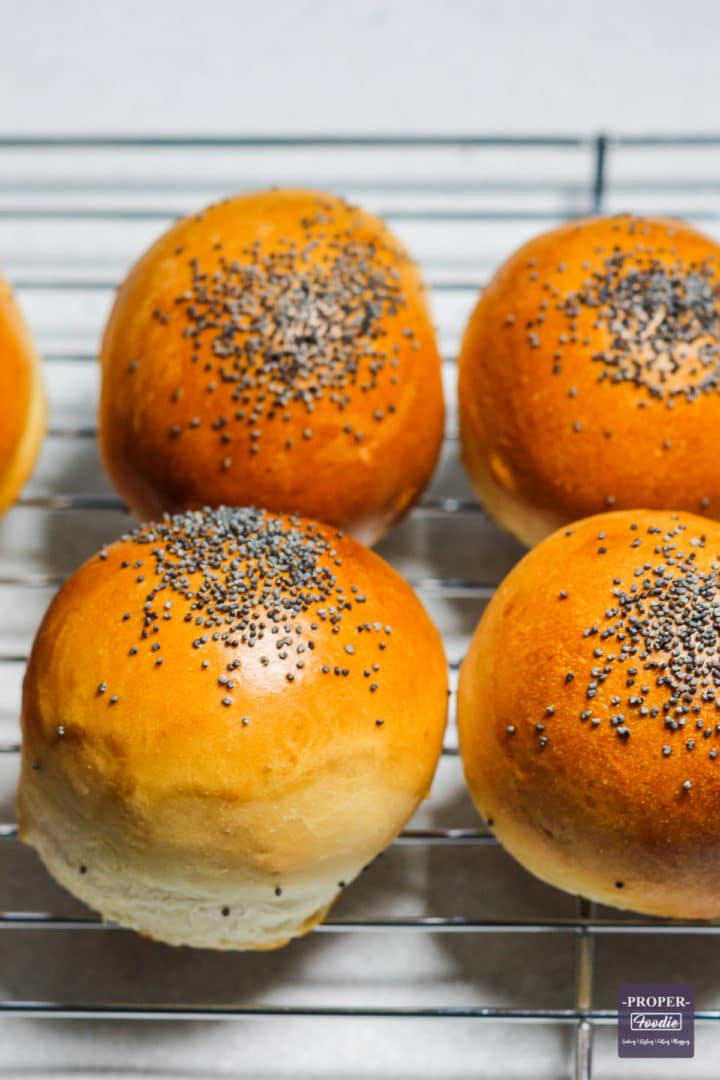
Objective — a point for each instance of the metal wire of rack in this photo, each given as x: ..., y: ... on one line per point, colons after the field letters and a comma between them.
x: 44, y: 185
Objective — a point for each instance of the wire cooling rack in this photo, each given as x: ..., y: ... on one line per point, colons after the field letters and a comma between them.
x: 74, y: 213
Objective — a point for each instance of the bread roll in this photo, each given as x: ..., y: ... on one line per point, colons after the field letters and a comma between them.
x: 589, y: 712
x: 275, y: 350
x: 23, y: 407
x: 223, y: 724
x: 590, y: 376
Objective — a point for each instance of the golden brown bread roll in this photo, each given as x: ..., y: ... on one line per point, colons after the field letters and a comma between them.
x: 590, y: 376
x: 223, y: 724
x: 23, y: 408
x: 275, y: 350
x: 589, y: 712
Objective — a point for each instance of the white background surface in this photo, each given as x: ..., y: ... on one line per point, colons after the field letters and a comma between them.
x: 397, y: 65
x: 300, y: 67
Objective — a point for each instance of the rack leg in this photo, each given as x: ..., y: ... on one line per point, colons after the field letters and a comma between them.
x: 584, y: 975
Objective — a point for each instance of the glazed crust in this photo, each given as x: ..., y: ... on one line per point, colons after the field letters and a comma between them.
x: 22, y: 399
x: 316, y: 279
x: 550, y: 432
x: 601, y: 808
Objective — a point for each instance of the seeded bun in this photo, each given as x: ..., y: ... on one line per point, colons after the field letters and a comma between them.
x: 590, y: 376
x: 23, y: 407
x: 274, y: 350
x: 589, y: 712
x: 223, y: 724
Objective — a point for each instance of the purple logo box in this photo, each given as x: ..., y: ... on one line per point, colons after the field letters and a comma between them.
x: 656, y: 1020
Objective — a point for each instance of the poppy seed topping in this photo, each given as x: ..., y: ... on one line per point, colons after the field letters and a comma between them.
x: 275, y: 329
x: 244, y: 579
x: 652, y: 654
